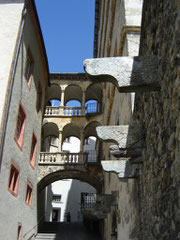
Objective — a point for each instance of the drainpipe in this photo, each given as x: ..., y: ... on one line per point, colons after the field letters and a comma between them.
x: 12, y: 81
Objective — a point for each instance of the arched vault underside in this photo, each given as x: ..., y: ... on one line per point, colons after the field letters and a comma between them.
x: 90, y: 174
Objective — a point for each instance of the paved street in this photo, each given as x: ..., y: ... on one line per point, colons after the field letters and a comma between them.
x: 70, y: 231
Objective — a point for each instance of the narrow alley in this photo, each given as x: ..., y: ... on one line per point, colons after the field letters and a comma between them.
x: 67, y: 231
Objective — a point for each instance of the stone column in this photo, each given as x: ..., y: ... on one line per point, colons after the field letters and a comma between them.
x: 60, y: 141
x: 62, y: 97
x: 83, y: 103
x: 81, y: 140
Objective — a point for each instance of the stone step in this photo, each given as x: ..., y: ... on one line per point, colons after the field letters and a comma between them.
x: 46, y: 236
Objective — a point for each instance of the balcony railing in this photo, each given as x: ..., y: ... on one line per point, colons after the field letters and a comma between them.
x: 91, y: 156
x: 91, y: 108
x: 61, y: 158
x: 88, y: 200
x: 64, y: 111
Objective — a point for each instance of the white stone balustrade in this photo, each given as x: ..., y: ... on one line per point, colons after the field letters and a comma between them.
x: 64, y: 111
x: 72, y: 111
x: 60, y: 158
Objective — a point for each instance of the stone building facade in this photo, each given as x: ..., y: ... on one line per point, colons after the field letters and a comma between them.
x: 24, y: 78
x: 138, y: 180
x: 118, y: 34
x: 148, y: 207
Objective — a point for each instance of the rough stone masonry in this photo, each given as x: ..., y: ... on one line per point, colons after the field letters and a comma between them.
x: 159, y: 112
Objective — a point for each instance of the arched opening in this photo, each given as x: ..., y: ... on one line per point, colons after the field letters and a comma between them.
x: 76, y: 189
x: 65, y: 191
x: 50, y: 137
x: 73, y: 103
x: 54, y: 103
x: 50, y: 144
x: 71, y: 145
x: 92, y: 106
x: 89, y: 148
x: 92, y: 145
x: 71, y: 130
x: 63, y: 199
x: 93, y: 99
x: 73, y: 92
x: 73, y: 108
x: 53, y: 95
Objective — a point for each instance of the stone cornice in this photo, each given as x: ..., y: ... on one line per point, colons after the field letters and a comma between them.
x: 68, y: 76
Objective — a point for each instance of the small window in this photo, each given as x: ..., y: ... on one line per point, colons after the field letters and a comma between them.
x: 33, y: 151
x: 39, y: 98
x: 29, y: 67
x: 19, y: 232
x: 29, y: 194
x: 20, y: 127
x: 14, y: 180
x: 56, y: 198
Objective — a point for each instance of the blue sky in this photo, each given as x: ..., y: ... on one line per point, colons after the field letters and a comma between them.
x: 68, y: 31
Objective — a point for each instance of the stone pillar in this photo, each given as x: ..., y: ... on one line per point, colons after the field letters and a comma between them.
x: 83, y: 103
x: 81, y: 140
x: 62, y: 97
x: 60, y: 141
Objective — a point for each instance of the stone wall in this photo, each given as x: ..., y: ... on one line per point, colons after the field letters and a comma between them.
x: 159, y: 182
x: 119, y: 35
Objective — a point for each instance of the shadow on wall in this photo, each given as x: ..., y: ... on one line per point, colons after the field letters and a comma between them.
x: 73, y: 206
x: 42, y: 203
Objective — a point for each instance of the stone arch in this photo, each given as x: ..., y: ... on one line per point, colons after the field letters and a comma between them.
x: 47, y: 177
x: 71, y: 129
x: 94, y: 92
x: 90, y: 129
x: 53, y: 92
x: 73, y: 92
x: 49, y: 129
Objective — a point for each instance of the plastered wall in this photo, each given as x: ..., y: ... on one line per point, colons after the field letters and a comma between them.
x: 13, y: 209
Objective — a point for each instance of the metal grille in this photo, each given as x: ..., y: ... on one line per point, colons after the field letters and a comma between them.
x: 91, y: 156
x: 88, y: 200
x: 92, y: 108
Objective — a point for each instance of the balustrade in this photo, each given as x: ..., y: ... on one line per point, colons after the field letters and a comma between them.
x: 61, y: 158
x: 72, y: 111
x: 64, y: 111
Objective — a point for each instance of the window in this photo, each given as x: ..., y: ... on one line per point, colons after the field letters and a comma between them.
x: 19, y: 232
x: 33, y: 151
x: 56, y: 198
x: 29, y: 194
x: 39, y: 98
x: 29, y: 67
x: 56, y: 214
x: 20, y: 127
x: 13, y: 179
